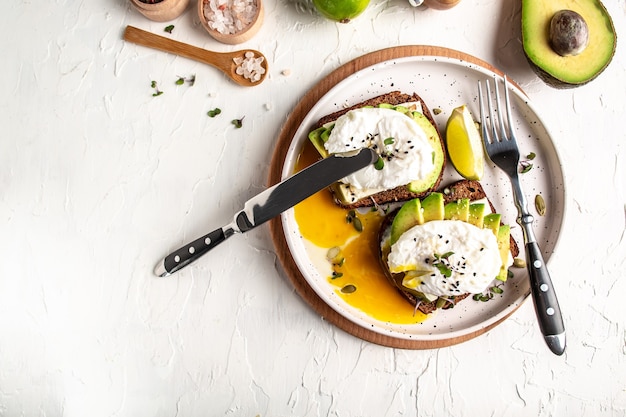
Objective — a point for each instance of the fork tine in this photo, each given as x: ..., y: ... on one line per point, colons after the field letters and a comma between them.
x: 511, y: 135
x: 492, y: 119
x: 481, y: 106
x: 503, y: 135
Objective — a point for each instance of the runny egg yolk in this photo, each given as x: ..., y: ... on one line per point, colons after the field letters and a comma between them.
x: 325, y: 224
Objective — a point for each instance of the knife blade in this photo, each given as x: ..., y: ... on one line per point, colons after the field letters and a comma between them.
x: 270, y: 203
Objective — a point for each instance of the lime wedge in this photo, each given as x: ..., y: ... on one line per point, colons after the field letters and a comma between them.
x: 465, y: 146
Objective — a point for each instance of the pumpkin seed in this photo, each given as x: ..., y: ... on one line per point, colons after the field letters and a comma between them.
x: 519, y: 263
x: 348, y: 289
x: 540, y: 205
x: 334, y: 255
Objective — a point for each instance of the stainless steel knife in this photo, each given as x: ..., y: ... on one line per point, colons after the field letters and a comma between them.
x: 270, y: 203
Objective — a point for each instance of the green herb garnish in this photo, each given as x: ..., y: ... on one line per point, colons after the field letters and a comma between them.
x: 482, y: 297
x: 442, y: 264
x: 214, y: 112
x: 388, y: 141
x: 237, y: 122
x: 157, y: 92
x: 526, y: 166
x: 379, y: 164
x: 496, y: 289
x: 181, y: 80
x: 169, y: 28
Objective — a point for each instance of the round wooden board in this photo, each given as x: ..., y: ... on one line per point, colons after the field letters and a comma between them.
x: 278, y: 159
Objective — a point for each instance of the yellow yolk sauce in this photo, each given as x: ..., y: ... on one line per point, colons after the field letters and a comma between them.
x: 326, y: 225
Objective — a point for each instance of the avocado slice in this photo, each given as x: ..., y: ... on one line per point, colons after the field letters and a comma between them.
x: 433, y: 207
x: 457, y: 210
x: 570, y: 70
x: 491, y: 221
x: 438, y: 155
x: 409, y: 215
x: 476, y: 214
x: 504, y: 244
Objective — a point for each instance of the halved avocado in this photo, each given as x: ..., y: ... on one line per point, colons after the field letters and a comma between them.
x: 570, y: 70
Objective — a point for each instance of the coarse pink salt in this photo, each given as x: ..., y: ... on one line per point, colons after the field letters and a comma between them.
x: 250, y: 66
x: 229, y: 16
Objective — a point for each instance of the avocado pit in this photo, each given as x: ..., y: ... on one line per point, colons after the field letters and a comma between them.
x: 569, y: 33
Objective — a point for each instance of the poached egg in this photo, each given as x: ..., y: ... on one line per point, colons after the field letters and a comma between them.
x: 402, y: 144
x: 446, y: 258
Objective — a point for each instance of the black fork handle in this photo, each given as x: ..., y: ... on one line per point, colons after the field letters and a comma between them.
x: 545, y: 300
x: 544, y: 296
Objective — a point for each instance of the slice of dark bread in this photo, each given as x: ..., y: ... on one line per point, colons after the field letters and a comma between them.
x: 400, y: 193
x: 472, y: 190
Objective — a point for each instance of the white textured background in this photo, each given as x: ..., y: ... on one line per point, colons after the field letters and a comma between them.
x: 98, y: 180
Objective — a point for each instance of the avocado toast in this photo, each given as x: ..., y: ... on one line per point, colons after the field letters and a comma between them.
x: 445, y: 274
x: 410, y: 144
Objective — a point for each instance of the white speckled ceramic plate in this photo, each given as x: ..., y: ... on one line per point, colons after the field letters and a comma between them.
x: 444, y: 82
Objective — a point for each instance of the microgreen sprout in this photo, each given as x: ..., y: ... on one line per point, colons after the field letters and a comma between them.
x: 181, y: 80
x: 169, y: 28
x: 237, y: 122
x: 157, y: 92
x: 442, y: 264
x: 526, y: 165
x: 482, y: 297
x: 214, y: 112
x: 496, y: 289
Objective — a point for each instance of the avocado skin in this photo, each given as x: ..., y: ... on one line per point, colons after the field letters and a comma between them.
x: 544, y: 73
x: 559, y: 84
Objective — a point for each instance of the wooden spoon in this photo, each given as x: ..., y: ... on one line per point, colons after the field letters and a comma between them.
x: 221, y: 60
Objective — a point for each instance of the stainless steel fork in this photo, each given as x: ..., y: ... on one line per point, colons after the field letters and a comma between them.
x: 501, y: 146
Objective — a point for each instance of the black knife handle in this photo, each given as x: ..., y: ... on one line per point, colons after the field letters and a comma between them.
x: 191, y: 252
x: 545, y: 300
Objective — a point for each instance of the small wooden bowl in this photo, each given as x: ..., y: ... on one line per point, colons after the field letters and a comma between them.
x: 238, y: 37
x: 162, y: 11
